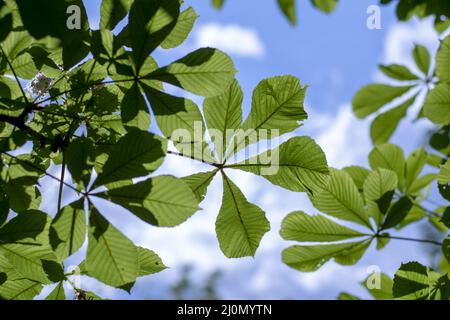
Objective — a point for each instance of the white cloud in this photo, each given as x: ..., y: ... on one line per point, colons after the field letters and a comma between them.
x: 233, y: 39
x: 402, y: 37
x: 343, y: 137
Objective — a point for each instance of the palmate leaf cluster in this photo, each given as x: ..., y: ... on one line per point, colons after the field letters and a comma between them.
x: 399, y: 98
x: 389, y: 196
x: 84, y: 100
x: 92, y: 97
x: 385, y: 197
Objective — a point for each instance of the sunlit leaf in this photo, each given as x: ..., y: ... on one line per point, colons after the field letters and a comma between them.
x: 298, y: 165
x: 205, y: 72
x: 111, y: 257
x: 68, y: 230
x: 443, y: 60
x: 372, y: 97
x: 136, y: 154
x: 341, y: 199
x: 301, y: 227
x: 311, y: 258
x: 240, y: 224
x: 163, y: 201
x: 437, y: 104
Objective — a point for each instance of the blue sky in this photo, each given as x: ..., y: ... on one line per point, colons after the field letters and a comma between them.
x: 334, y: 55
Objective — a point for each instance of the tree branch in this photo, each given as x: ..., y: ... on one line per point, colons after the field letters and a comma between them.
x: 437, y: 243
x: 217, y: 165
x: 61, y: 182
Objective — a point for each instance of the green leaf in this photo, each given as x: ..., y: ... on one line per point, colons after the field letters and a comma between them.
x: 21, y: 289
x: 446, y: 248
x: 206, y: 72
x: 311, y: 258
x: 421, y: 183
x: 111, y: 257
x: 184, y: 26
x: 86, y: 75
x: 383, y: 241
x: 437, y: 104
x: 301, y: 227
x: 288, y: 9
x: 79, y: 157
x: 68, y: 230
x: 149, y: 262
x: 240, y: 224
x: 9, y: 89
x: 15, y: 43
x: 347, y: 296
x: 112, y: 12
x: 134, y: 110
x: 358, y: 174
x: 414, y: 281
x: 378, y: 183
x: 51, y: 18
x: 46, y: 19
x: 422, y: 58
x: 414, y: 215
x: 34, y: 262
x: 5, y: 24
x: 379, y: 189
x: 25, y: 66
x: 327, y: 6
x: 446, y: 217
x: 298, y: 165
x: 372, y: 97
x: 385, y: 124
x: 218, y: 3
x: 150, y: 22
x: 443, y: 60
x: 199, y: 183
x: 436, y: 222
x: 414, y: 166
x: 28, y: 227
x: 22, y: 198
x: 223, y: 115
x: 398, y: 72
x: 138, y: 153
x: 441, y: 24
x: 379, y: 286
x: 444, y: 174
x: 57, y: 293
x: 277, y: 108
x: 162, y: 201
x: 391, y: 157
x: 180, y: 120
x: 433, y: 159
x: 103, y: 47
x: 397, y: 213
x: 340, y: 198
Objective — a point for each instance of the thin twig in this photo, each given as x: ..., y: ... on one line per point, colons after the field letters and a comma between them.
x: 217, y: 165
x: 437, y: 243
x: 61, y: 183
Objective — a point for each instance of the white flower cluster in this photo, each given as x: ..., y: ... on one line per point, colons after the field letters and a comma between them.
x: 40, y: 84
